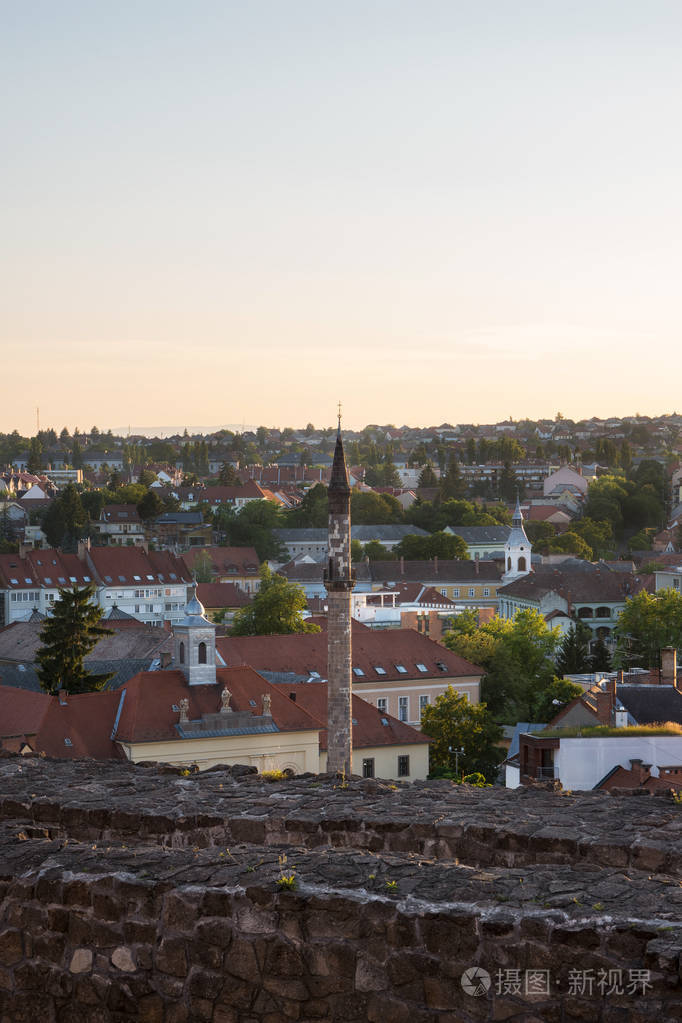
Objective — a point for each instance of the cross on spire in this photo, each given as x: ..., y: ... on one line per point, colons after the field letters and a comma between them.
x: 339, y: 415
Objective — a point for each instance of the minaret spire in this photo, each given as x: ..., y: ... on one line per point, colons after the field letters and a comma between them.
x: 339, y: 581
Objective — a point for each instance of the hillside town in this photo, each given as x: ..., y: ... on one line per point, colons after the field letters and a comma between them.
x: 466, y: 542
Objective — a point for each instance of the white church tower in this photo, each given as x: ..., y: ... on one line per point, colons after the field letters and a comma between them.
x: 194, y: 644
x: 517, y: 549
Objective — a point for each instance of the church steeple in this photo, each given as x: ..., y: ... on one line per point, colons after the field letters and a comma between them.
x: 339, y: 582
x: 517, y: 549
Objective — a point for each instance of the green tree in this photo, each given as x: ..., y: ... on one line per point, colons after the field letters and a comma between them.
x: 601, y: 658
x: 558, y: 693
x: 573, y: 656
x: 35, y: 456
x: 150, y: 507
x: 203, y: 567
x: 438, y: 545
x: 375, y: 551
x: 455, y: 724
x: 146, y: 478
x: 254, y: 526
x: 452, y: 484
x: 68, y: 636
x: 569, y: 543
x: 277, y: 608
x: 371, y: 509
x: 313, y: 511
x: 65, y: 521
x: 647, y: 624
x: 427, y: 477
x: 356, y: 551
x: 518, y: 658
x: 228, y: 476
x: 508, y: 485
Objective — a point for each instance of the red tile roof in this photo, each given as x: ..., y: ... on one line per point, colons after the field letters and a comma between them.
x: 304, y: 653
x: 43, y: 568
x: 368, y: 722
x: 222, y: 595
x: 233, y: 560
x: 132, y: 566
x: 147, y: 714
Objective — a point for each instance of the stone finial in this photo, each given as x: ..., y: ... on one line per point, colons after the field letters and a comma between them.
x: 267, y: 708
x: 184, y: 710
x: 225, y: 698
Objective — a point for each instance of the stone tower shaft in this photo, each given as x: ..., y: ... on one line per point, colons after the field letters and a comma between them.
x: 339, y: 581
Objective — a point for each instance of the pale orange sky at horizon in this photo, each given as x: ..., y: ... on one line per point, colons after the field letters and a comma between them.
x: 435, y: 212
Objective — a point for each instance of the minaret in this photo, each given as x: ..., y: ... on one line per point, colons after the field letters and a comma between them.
x: 339, y: 581
x: 517, y: 549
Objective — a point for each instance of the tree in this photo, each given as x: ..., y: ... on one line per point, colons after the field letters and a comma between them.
x: 375, y: 551
x: 228, y: 476
x: 313, y: 511
x: 427, y: 477
x: 507, y: 485
x: 375, y: 509
x: 203, y: 567
x: 356, y: 551
x: 35, y: 456
x: 68, y: 636
x: 150, y: 507
x: 454, y: 724
x: 518, y: 658
x: 146, y: 478
x: 438, y: 545
x: 557, y: 694
x: 601, y: 658
x: 569, y: 543
x: 452, y: 484
x: 647, y: 624
x: 253, y: 527
x: 573, y: 656
x: 66, y: 521
x: 276, y: 609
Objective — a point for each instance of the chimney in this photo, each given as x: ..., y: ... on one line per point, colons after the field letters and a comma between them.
x: 402, y: 565
x: 605, y: 704
x: 477, y: 567
x: 639, y: 770
x: 63, y: 693
x: 669, y: 666
x: 165, y: 658
x: 83, y: 548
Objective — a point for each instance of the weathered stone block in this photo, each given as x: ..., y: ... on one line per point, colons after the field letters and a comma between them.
x: 11, y: 947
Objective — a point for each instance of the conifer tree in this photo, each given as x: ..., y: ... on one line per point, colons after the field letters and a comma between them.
x: 573, y: 657
x: 68, y: 637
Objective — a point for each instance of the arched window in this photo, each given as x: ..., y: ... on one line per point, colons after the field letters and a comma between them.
x: 202, y: 653
x: 522, y: 564
x: 603, y: 612
x: 509, y: 564
x: 182, y: 653
x: 585, y: 612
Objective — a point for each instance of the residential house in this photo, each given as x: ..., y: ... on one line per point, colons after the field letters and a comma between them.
x: 180, y: 530
x: 593, y: 594
x: 565, y: 479
x: 120, y: 524
x: 237, y: 565
x: 151, y: 586
x: 314, y: 541
x: 399, y: 671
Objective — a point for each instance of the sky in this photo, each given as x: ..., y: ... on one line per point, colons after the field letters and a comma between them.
x: 431, y: 210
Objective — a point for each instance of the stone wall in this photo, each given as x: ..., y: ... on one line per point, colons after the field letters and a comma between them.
x: 137, y: 893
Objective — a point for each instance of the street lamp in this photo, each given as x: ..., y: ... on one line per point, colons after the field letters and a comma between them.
x: 458, y: 751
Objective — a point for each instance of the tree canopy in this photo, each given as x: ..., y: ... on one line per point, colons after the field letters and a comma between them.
x: 455, y: 724
x: 68, y: 637
x: 277, y: 608
x: 438, y: 545
x: 647, y: 624
x: 517, y: 656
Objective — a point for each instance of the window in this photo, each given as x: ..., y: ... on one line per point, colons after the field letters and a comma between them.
x: 422, y: 668
x: 368, y: 767
x: 522, y: 564
x: 486, y: 591
x: 423, y: 702
x: 455, y: 592
x: 471, y: 591
x: 401, y: 669
x: 382, y: 704
x: 402, y: 708
x: 379, y: 670
x: 182, y: 653
x: 202, y: 653
x: 444, y: 592
x: 403, y: 767
x: 359, y: 672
